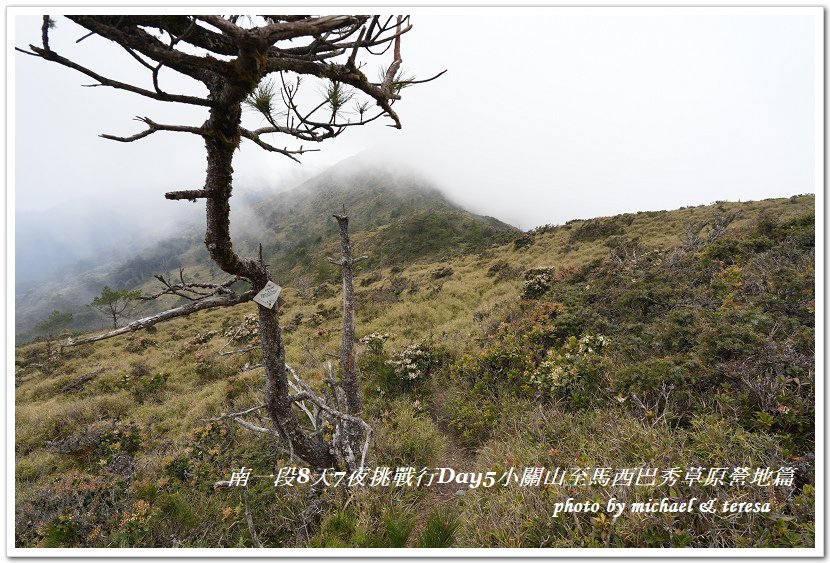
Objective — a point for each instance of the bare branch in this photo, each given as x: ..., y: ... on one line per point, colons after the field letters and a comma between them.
x: 424, y: 81
x: 51, y: 55
x: 224, y: 25
x: 284, y: 151
x: 339, y: 73
x: 152, y: 127
x: 191, y: 195
x: 234, y: 414
x: 240, y: 351
x: 396, y: 63
x: 226, y: 301
x: 300, y: 384
x: 185, y: 289
x: 250, y: 520
x: 356, y: 48
x: 335, y: 389
x: 123, y: 32
x: 44, y: 31
x: 255, y: 428
x: 306, y: 396
x: 281, y: 31
x: 338, y: 414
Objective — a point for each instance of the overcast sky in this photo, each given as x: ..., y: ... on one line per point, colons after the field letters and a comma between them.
x: 542, y: 116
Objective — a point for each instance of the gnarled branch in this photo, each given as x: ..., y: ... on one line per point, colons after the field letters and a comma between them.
x: 190, y: 290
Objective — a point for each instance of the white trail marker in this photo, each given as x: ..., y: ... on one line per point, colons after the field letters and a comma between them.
x: 269, y: 295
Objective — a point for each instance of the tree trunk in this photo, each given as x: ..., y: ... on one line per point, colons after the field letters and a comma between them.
x: 347, y: 364
x: 221, y: 144
x: 348, y: 375
x: 277, y: 401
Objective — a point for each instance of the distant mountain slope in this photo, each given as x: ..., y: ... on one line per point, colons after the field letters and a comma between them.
x: 395, y: 216
x: 73, y: 237
x: 42, y: 250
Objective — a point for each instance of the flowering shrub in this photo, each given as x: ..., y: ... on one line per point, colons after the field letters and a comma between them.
x: 374, y: 342
x: 203, y: 337
x: 413, y: 362
x: 537, y: 282
x: 246, y: 330
x: 570, y: 369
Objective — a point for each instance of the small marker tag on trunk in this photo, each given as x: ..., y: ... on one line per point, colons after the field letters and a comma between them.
x: 269, y: 295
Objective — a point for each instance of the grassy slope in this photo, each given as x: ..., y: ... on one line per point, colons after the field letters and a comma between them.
x: 152, y: 390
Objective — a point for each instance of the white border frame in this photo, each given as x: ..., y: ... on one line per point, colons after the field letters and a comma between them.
x: 817, y: 551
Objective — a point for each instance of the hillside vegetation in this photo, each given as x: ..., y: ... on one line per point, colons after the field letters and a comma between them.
x: 396, y: 218
x: 666, y: 339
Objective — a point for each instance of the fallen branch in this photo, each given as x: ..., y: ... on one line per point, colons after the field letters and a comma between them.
x: 250, y: 520
x: 239, y: 351
x: 234, y: 414
x: 77, y: 384
x: 146, y: 322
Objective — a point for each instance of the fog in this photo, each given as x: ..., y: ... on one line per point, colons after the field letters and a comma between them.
x: 544, y: 115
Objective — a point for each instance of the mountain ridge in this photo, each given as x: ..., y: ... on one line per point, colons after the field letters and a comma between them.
x: 296, y: 231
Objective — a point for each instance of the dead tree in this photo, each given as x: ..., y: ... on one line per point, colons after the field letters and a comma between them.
x: 259, y: 61
x: 348, y: 376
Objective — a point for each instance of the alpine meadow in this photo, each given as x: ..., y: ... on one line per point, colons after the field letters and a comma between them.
x: 365, y: 358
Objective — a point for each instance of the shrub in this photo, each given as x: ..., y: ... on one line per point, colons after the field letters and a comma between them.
x: 373, y: 519
x: 143, y: 387
x: 649, y: 376
x: 209, y: 368
x: 245, y: 331
x: 415, y: 362
x: 678, y: 331
x: 137, y: 345
x: 397, y: 527
x: 501, y: 270
x: 572, y: 370
x: 374, y: 342
x: 471, y: 416
x: 336, y: 530
x: 537, y: 282
x: 443, y: 272
x: 600, y: 228
x: 732, y: 333
x: 176, y: 512
x: 522, y: 242
x: 62, y: 532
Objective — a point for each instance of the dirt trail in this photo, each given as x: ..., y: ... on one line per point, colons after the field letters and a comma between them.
x: 456, y: 456
x: 460, y: 459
